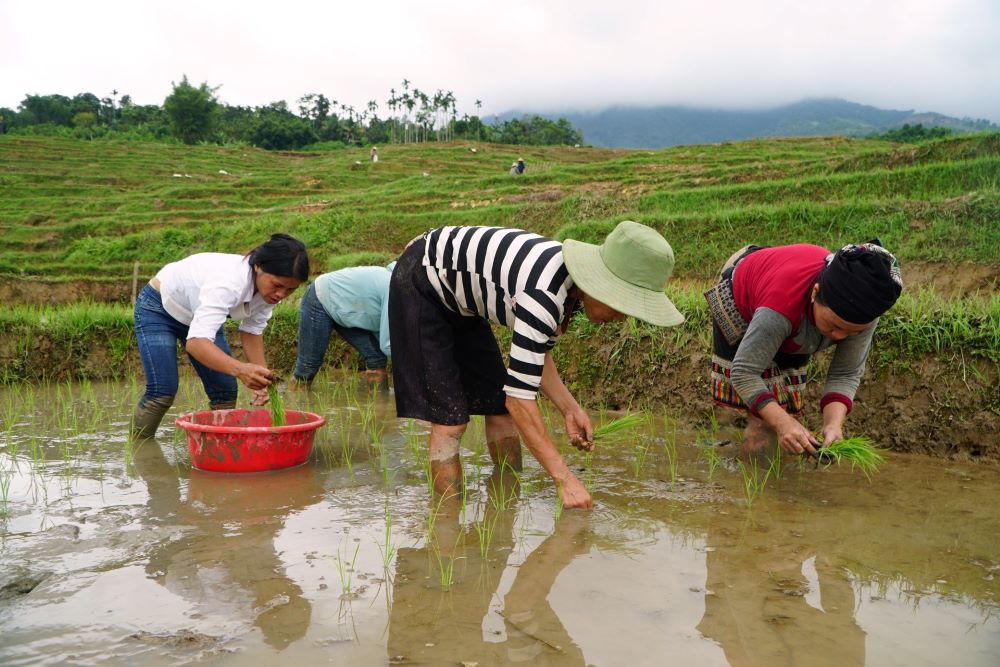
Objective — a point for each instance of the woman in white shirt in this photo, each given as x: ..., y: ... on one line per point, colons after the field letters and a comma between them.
x: 189, y: 301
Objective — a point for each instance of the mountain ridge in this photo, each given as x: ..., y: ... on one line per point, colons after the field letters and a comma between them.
x: 662, y: 126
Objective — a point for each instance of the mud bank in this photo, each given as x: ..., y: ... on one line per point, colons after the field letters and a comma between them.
x: 945, y: 405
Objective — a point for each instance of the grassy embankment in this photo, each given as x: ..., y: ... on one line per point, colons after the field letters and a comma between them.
x: 77, y: 215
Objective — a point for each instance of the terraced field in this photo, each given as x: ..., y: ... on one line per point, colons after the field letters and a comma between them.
x: 76, y: 215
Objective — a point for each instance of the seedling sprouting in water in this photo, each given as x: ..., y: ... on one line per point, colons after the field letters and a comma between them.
x: 712, y: 456
x: 753, y: 481
x: 389, y: 549
x: 860, y: 452
x: 670, y: 450
x: 346, y: 572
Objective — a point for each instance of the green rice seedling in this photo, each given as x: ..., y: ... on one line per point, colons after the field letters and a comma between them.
x: 446, y: 564
x: 558, y: 509
x: 642, y: 446
x: 277, y: 405
x: 616, y: 426
x: 388, y: 548
x: 5, y: 479
x: 432, y: 513
x: 345, y: 571
x: 753, y: 481
x: 347, y: 446
x: 502, y: 495
x: 774, y: 469
x: 378, y: 445
x: 37, y: 456
x: 485, y: 528
x: 670, y: 450
x: 860, y: 451
x: 588, y: 474
x: 711, y: 454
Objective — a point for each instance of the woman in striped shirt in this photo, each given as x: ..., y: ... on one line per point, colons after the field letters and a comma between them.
x: 453, y: 282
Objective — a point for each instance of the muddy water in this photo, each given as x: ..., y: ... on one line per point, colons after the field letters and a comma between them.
x: 117, y: 556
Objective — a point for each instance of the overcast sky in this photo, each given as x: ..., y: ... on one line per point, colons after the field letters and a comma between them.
x: 538, y: 55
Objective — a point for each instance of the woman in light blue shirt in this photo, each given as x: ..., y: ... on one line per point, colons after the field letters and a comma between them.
x: 355, y: 303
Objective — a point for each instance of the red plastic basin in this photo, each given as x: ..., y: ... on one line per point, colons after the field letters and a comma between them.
x: 245, y: 441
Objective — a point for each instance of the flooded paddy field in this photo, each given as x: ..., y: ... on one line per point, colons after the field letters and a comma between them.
x: 113, y: 554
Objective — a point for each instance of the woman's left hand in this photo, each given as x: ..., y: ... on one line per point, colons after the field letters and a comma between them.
x: 260, y: 397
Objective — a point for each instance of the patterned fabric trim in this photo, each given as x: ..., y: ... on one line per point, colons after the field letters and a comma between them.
x: 787, y: 385
x: 722, y: 308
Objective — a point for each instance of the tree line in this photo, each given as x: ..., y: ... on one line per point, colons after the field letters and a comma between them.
x: 194, y: 114
x: 912, y: 134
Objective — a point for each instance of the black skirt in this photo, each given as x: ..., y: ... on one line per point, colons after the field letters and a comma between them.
x: 445, y: 366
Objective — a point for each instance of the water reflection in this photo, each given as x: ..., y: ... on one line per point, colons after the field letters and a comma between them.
x: 432, y: 625
x: 222, y: 560
x: 770, y: 601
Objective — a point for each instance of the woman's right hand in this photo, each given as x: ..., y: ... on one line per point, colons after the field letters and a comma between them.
x: 254, y: 376
x: 795, y: 438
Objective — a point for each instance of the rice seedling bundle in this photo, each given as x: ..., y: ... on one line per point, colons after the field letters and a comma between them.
x: 861, y: 452
x: 614, y: 426
x: 277, y: 405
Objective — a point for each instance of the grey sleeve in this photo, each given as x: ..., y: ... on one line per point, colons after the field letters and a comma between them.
x: 848, y: 363
x: 768, y: 329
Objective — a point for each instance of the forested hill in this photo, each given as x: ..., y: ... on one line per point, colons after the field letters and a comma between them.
x: 656, y: 127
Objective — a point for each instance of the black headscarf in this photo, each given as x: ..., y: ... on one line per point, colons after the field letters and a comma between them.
x: 861, y: 282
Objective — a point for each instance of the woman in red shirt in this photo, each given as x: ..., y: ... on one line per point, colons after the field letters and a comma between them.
x: 772, y: 310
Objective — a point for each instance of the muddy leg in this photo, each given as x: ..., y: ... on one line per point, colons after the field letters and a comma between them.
x: 377, y: 378
x: 222, y: 405
x: 446, y: 468
x: 148, y: 415
x: 503, y: 441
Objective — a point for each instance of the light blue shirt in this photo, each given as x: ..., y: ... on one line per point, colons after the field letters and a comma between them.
x: 358, y: 297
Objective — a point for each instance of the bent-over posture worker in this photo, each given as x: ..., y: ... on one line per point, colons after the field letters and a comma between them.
x: 772, y: 310
x: 355, y: 303
x: 189, y: 301
x: 451, y: 283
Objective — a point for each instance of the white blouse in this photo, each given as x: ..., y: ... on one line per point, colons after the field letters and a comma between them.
x: 202, y: 290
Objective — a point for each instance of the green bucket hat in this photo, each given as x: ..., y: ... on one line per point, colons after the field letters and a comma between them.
x: 627, y: 272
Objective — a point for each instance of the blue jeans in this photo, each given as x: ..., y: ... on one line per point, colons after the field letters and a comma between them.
x: 158, y: 334
x: 315, y: 327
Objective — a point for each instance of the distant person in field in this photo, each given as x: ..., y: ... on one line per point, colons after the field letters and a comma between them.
x: 513, y: 169
x: 374, y: 154
x: 189, y: 300
x: 773, y: 309
x: 519, y: 165
x: 353, y: 302
x: 447, y: 288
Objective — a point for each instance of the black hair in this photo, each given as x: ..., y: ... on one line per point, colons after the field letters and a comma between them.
x: 281, y: 255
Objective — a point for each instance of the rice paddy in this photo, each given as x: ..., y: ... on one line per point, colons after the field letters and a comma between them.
x: 351, y: 557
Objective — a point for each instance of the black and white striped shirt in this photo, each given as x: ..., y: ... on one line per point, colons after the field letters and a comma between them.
x: 510, y: 277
